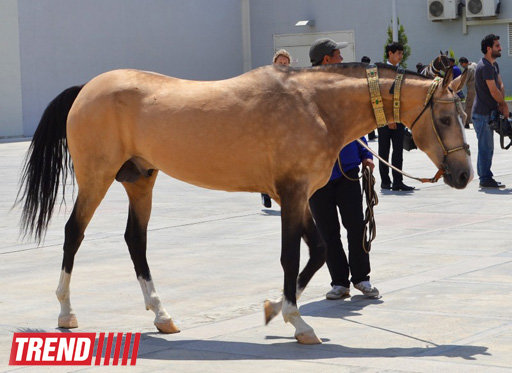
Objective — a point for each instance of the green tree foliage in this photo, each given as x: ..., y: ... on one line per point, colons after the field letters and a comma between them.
x: 451, y: 54
x: 402, y: 39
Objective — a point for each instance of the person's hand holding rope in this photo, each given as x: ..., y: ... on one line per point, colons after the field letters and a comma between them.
x: 368, y: 163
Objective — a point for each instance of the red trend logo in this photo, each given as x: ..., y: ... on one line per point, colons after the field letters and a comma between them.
x: 74, y: 349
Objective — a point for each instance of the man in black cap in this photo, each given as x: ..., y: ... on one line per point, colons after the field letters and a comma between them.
x: 343, y: 193
x: 326, y: 52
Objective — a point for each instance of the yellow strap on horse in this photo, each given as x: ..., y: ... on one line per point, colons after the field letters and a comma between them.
x: 435, y: 83
x: 372, y: 76
x: 396, y: 97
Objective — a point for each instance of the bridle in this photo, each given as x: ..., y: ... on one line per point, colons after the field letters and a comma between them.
x: 430, y: 101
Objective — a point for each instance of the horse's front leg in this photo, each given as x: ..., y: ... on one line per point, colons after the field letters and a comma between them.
x: 293, y: 205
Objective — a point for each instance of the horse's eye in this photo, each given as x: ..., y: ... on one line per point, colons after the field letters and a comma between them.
x: 445, y: 121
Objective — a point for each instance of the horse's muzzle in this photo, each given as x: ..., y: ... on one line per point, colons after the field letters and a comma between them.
x: 458, y: 179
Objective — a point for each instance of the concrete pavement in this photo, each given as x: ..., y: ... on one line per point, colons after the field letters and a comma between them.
x: 442, y: 260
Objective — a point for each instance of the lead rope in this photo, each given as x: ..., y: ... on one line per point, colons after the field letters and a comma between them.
x: 370, y: 228
x: 434, y: 179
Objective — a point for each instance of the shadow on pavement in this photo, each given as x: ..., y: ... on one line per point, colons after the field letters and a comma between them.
x: 163, y: 349
x: 271, y: 212
x: 338, y: 309
x: 495, y: 191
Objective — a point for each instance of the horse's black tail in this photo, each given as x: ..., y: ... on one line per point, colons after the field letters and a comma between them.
x: 46, y: 161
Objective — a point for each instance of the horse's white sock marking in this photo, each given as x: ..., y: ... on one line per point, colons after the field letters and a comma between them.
x: 62, y: 293
x: 291, y: 314
x: 152, y: 300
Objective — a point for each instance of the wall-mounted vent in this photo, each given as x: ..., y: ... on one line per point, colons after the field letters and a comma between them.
x: 482, y: 8
x: 441, y: 9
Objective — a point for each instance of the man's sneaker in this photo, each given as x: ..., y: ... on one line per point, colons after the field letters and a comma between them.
x: 338, y: 292
x: 366, y: 288
x: 491, y: 184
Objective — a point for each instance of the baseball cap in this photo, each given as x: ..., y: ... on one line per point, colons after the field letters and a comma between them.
x: 323, y: 47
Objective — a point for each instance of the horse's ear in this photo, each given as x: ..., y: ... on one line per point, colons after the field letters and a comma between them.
x: 448, y: 77
x: 458, y: 83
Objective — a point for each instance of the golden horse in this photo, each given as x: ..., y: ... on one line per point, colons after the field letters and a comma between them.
x: 128, y: 125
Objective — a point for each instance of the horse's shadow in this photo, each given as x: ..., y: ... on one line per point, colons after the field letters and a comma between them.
x: 154, y: 346
x: 287, y: 349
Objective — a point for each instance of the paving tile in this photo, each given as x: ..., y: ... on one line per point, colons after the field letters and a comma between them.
x: 442, y: 261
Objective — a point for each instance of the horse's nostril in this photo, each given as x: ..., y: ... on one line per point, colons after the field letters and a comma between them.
x: 463, y: 178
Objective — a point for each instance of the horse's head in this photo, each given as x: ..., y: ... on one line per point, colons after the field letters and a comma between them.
x: 439, y: 66
x: 439, y: 131
x: 441, y: 63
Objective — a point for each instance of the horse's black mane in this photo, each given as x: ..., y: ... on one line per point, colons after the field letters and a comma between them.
x: 338, y: 66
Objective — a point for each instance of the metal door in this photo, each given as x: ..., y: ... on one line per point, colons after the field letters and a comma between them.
x: 298, y: 45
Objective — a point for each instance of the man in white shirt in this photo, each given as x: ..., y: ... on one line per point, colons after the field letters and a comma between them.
x: 470, y: 85
x: 393, y: 133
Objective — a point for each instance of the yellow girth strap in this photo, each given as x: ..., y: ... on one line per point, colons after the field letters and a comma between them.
x: 437, y: 80
x: 396, y: 97
x: 376, y: 99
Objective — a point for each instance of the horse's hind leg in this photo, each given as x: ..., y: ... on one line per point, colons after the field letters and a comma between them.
x: 88, y: 199
x: 316, y: 259
x: 140, y: 195
x: 293, y: 206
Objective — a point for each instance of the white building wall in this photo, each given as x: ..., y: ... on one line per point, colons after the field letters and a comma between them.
x: 49, y: 45
x: 369, y: 20
x: 11, y: 118
x: 68, y: 42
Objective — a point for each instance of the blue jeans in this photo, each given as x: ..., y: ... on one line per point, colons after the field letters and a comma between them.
x: 485, y: 138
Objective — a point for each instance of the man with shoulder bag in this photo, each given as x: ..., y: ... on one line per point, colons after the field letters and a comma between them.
x: 490, y: 98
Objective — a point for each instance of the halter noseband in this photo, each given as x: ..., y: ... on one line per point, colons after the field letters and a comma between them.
x: 380, y: 117
x: 429, y: 102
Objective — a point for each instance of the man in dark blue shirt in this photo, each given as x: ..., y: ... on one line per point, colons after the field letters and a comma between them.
x: 456, y: 72
x: 490, y: 97
x: 343, y: 192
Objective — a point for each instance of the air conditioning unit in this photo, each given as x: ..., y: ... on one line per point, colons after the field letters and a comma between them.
x: 482, y: 8
x: 442, y: 9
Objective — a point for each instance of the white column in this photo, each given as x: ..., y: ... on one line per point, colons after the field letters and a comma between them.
x: 11, y: 119
x: 246, y: 35
x: 395, y: 22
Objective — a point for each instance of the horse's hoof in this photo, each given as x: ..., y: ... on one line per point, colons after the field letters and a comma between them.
x: 270, y: 311
x: 68, y: 321
x: 308, y: 338
x: 166, y: 327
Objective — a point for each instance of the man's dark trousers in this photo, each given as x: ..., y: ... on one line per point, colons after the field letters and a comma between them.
x: 345, y: 195
x: 396, y: 137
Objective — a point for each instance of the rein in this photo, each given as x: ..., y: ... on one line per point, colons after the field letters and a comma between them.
x: 378, y: 109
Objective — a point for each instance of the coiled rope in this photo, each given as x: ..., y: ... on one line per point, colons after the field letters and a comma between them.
x: 370, y: 228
